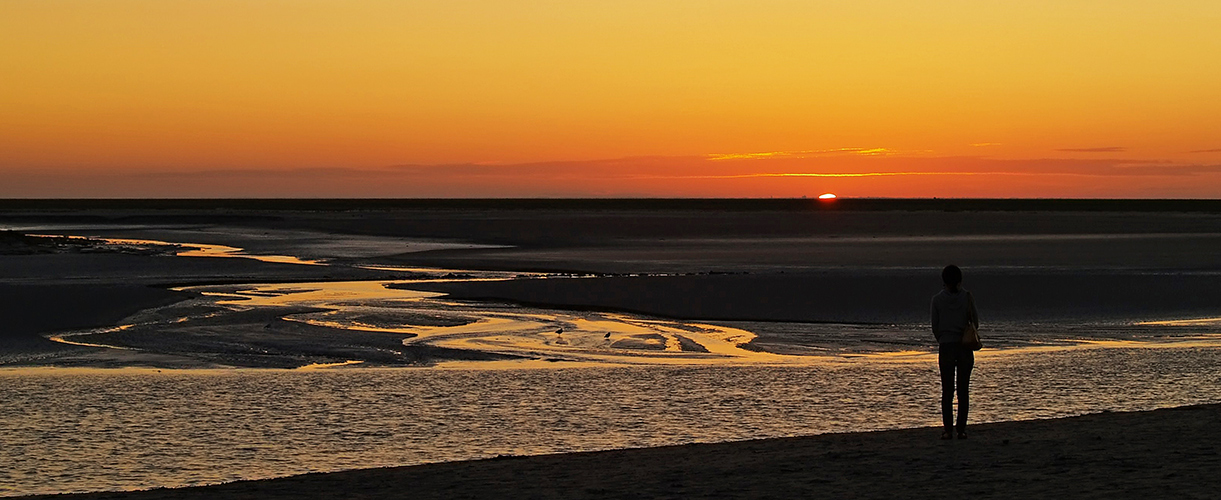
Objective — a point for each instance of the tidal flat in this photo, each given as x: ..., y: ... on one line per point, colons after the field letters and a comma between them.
x: 523, y: 327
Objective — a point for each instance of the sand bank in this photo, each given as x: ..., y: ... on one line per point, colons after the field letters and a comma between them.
x: 1168, y: 453
x: 863, y: 296
x: 29, y: 310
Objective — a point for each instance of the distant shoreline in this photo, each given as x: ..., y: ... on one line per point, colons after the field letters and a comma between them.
x: 1170, y: 452
x: 649, y: 204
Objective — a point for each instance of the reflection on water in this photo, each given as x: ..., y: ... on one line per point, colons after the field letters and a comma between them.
x: 335, y: 324
x: 76, y: 430
x: 426, y: 319
x: 66, y: 338
x: 555, y: 381
x: 212, y: 250
x: 320, y: 366
x: 433, y: 274
x: 1185, y: 322
x: 423, y: 318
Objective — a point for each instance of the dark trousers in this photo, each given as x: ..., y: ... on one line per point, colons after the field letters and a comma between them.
x: 950, y: 358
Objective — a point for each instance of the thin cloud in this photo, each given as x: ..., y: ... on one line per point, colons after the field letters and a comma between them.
x: 859, y: 164
x: 808, y: 174
x: 1107, y: 149
x: 687, y: 175
x: 985, y: 144
x: 801, y: 154
x: 1218, y: 150
x: 245, y: 173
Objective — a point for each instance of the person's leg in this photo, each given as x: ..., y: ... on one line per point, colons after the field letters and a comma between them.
x: 946, y: 362
x: 966, y: 361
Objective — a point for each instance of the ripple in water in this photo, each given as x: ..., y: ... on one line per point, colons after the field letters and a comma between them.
x: 79, y: 430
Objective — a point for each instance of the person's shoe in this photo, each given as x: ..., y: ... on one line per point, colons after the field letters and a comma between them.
x: 946, y: 435
x: 962, y: 434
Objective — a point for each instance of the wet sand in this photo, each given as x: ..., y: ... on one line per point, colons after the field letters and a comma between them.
x: 752, y: 262
x: 29, y: 310
x: 775, y: 263
x: 1167, y: 453
x: 864, y: 296
x: 43, y: 294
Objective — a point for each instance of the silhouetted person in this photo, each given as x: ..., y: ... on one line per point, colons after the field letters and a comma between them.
x: 952, y: 309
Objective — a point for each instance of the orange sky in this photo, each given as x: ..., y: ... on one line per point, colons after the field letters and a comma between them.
x: 610, y: 98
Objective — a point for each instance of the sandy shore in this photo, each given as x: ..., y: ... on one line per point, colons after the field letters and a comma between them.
x: 1168, y: 453
x: 29, y: 310
x: 747, y: 264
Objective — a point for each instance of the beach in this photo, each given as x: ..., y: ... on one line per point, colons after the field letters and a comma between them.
x: 1165, y: 453
x: 190, y: 343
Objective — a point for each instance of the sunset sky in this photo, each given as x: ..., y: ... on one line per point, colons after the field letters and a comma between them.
x: 490, y: 98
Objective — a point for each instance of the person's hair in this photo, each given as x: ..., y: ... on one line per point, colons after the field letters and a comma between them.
x: 951, y: 276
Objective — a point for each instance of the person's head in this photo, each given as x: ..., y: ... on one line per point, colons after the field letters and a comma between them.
x: 952, y: 277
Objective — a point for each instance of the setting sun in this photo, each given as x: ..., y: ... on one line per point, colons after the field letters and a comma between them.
x: 826, y: 196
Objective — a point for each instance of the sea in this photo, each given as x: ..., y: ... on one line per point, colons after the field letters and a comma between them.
x: 68, y: 430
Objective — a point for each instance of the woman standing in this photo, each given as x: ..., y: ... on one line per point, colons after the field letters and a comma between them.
x: 952, y: 310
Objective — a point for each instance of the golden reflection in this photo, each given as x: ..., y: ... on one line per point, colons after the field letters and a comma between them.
x: 538, y: 337
x: 523, y: 364
x: 436, y: 274
x: 907, y: 355
x: 323, y: 366
x: 1058, y: 345
x: 1184, y: 322
x: 551, y: 338
x: 1206, y: 341
x: 25, y: 371
x: 333, y: 293
x: 212, y: 250
x: 554, y: 335
x: 62, y: 338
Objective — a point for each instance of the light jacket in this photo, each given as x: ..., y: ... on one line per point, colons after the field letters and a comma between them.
x: 951, y: 312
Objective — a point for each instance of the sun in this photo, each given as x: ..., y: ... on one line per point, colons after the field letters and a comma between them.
x: 826, y: 196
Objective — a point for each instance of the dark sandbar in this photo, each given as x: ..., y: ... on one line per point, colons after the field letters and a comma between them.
x: 30, y: 310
